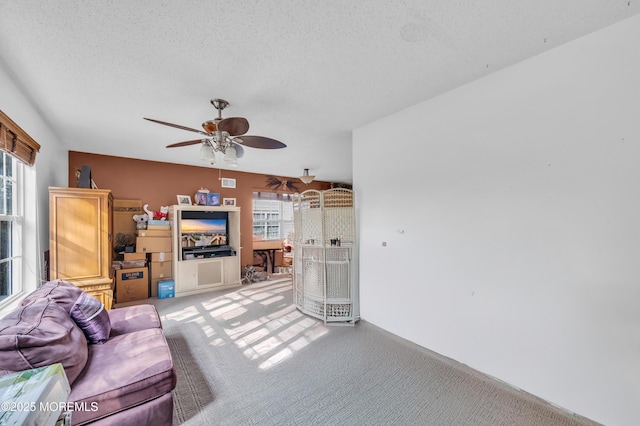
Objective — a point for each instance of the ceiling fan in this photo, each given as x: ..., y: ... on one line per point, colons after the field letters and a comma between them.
x: 223, y: 135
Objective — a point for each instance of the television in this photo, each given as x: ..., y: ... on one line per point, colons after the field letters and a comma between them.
x: 202, y: 230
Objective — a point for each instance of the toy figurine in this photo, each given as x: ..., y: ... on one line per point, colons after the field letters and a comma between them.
x: 161, y: 215
x: 141, y: 220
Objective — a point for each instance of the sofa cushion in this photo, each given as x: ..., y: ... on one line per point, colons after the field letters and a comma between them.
x: 87, y: 311
x: 125, y: 371
x: 64, y: 293
x: 90, y: 315
x: 41, y: 333
x: 133, y: 318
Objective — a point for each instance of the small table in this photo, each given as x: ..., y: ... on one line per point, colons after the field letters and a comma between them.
x: 269, y: 247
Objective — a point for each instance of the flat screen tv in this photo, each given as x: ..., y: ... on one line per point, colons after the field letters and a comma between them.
x: 204, y: 229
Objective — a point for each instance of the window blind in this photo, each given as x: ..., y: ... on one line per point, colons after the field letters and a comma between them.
x: 16, y: 142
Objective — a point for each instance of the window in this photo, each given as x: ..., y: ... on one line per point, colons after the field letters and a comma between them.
x: 11, y: 221
x: 272, y: 216
x: 19, y: 260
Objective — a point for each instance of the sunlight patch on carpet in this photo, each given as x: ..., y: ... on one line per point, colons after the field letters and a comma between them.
x: 275, y: 334
x: 278, y: 335
x: 183, y: 314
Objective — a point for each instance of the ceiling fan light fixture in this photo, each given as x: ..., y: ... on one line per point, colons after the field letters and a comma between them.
x: 230, y: 157
x: 206, y: 153
x: 306, y: 178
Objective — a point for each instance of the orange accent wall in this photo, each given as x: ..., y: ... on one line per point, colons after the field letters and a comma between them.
x: 157, y: 184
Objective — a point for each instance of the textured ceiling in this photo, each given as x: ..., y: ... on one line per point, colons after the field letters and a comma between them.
x: 302, y: 72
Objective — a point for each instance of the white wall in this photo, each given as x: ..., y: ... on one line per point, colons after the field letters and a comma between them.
x: 511, y: 212
x: 51, y: 163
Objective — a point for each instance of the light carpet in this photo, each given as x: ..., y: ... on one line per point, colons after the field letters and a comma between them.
x: 247, y: 357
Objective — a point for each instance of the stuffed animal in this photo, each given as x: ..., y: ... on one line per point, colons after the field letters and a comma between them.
x: 161, y: 215
x: 141, y: 220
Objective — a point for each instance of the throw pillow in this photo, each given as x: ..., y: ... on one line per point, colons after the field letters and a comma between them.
x: 39, y: 334
x: 90, y: 315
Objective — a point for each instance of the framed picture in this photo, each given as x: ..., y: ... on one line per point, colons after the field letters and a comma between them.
x: 229, y: 201
x: 184, y: 200
x: 213, y: 199
x: 201, y: 198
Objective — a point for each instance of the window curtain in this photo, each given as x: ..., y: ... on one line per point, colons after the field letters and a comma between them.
x: 16, y: 142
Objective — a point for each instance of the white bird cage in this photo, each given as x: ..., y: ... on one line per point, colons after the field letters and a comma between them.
x: 325, y: 255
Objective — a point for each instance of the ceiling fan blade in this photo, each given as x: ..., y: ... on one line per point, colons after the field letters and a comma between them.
x: 209, y: 126
x: 235, y: 126
x: 239, y: 149
x: 185, y: 143
x: 260, y: 142
x: 177, y: 126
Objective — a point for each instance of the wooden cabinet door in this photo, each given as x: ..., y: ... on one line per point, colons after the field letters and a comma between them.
x: 80, y: 230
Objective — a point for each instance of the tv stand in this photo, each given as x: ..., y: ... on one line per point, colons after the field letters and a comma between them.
x: 198, y: 269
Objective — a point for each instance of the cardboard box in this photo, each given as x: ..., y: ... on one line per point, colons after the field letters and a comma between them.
x: 124, y: 227
x: 158, y: 228
x: 153, y: 285
x: 166, y: 289
x: 131, y: 260
x: 135, y: 256
x: 128, y: 264
x: 161, y: 270
x: 161, y: 257
x: 153, y: 244
x: 154, y: 233
x: 159, y: 225
x: 132, y: 284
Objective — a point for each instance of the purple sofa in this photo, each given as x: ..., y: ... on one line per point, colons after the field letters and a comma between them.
x: 118, y: 362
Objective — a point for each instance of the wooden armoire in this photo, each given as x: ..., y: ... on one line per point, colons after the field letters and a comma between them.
x: 81, y: 241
